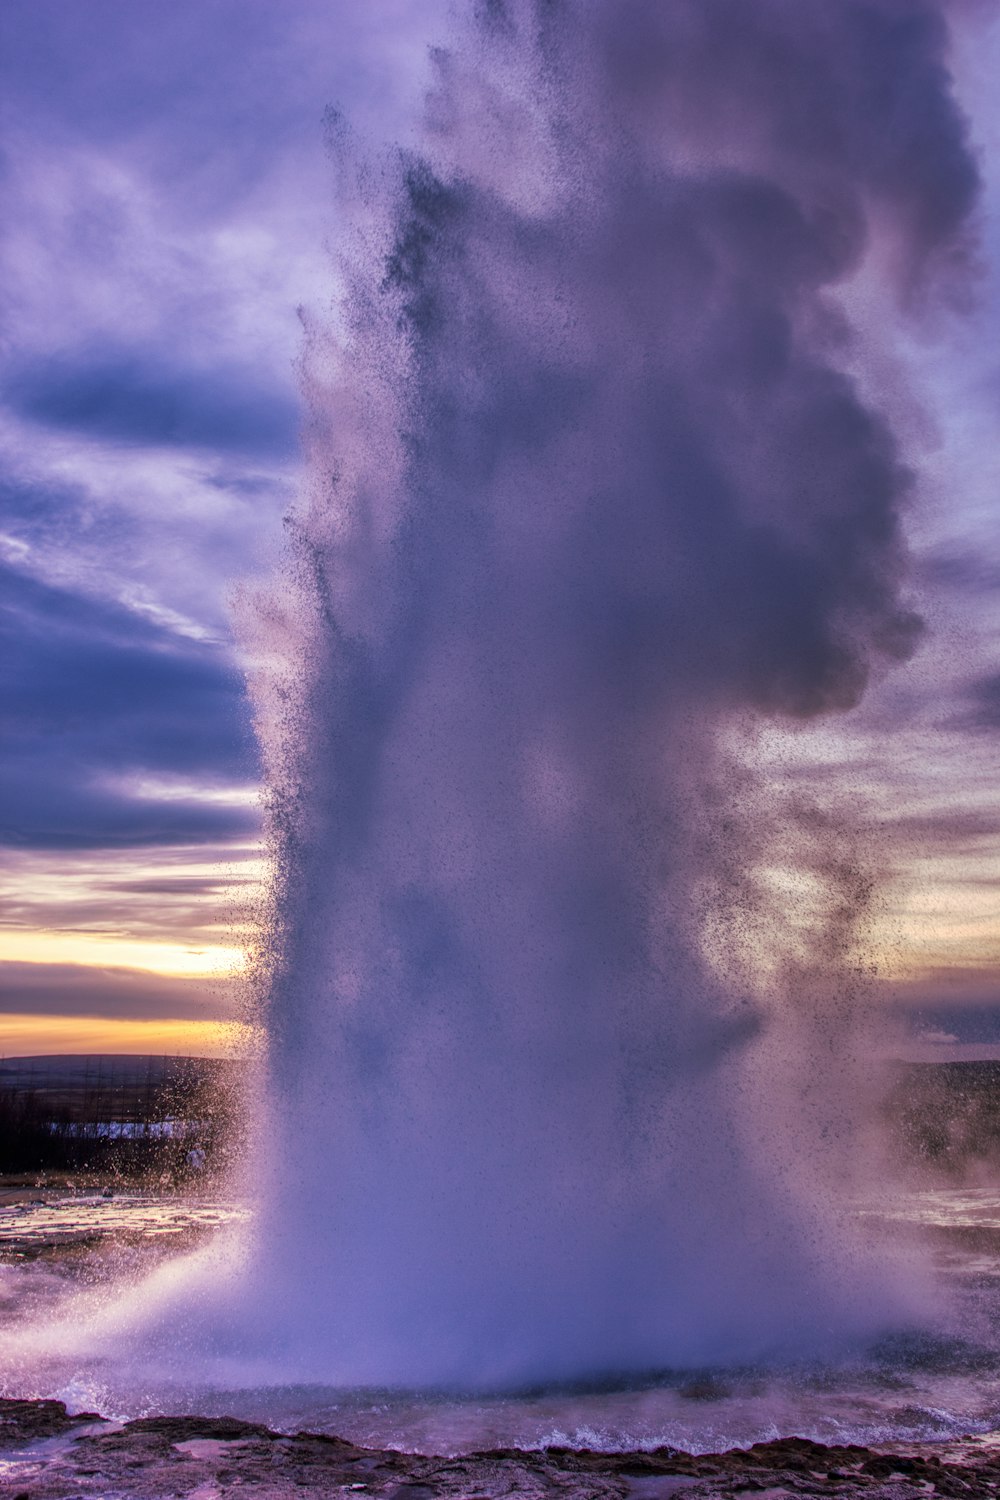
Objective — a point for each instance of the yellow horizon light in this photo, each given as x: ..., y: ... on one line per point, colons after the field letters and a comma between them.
x: 103, y: 950
x: 24, y: 1035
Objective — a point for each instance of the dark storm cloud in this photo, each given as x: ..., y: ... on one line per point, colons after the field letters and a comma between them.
x: 136, y: 397
x: 95, y: 696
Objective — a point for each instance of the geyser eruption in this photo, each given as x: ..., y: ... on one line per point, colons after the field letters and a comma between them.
x: 592, y: 491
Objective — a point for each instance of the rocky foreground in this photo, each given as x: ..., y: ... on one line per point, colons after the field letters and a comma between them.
x: 46, y: 1454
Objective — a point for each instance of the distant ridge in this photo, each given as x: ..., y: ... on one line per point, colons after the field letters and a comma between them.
x: 126, y: 1069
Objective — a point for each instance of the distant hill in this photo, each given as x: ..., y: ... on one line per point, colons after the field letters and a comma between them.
x: 943, y: 1115
x: 946, y: 1114
x: 111, y: 1069
x: 110, y: 1112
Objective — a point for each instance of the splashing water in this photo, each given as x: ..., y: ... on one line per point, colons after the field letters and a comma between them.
x: 590, y: 489
x: 556, y: 1086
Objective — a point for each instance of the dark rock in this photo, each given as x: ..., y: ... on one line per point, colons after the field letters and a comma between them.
x: 183, y: 1429
x: 159, y: 1458
x: 28, y: 1421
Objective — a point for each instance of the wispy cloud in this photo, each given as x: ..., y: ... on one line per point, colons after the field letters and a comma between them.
x: 96, y: 694
x: 167, y: 209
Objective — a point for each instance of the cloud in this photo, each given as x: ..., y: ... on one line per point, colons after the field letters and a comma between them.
x: 240, y: 74
x: 101, y: 702
x: 966, y: 1018
x: 200, y: 895
x: 134, y: 396
x: 962, y: 570
x: 167, y: 171
x: 984, y: 702
x: 949, y: 827
x: 85, y: 990
x: 163, y: 532
x: 165, y: 180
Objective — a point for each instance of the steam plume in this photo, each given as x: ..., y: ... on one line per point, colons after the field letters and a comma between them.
x: 591, y: 488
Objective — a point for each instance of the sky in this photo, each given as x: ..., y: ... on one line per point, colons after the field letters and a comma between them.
x: 168, y: 222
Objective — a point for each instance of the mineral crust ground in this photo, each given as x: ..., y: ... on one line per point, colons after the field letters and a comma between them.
x: 46, y: 1454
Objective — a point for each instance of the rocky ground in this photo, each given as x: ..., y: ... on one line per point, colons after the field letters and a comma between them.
x: 47, y: 1455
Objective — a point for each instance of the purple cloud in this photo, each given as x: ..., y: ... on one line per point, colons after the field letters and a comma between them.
x: 97, y: 697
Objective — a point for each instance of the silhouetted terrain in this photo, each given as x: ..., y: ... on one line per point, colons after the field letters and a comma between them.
x: 946, y: 1115
x: 133, y: 1114
x: 130, y: 1115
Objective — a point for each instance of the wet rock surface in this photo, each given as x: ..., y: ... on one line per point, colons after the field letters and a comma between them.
x: 45, y: 1454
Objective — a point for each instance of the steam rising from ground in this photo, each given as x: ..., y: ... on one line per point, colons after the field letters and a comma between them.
x: 556, y: 1086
